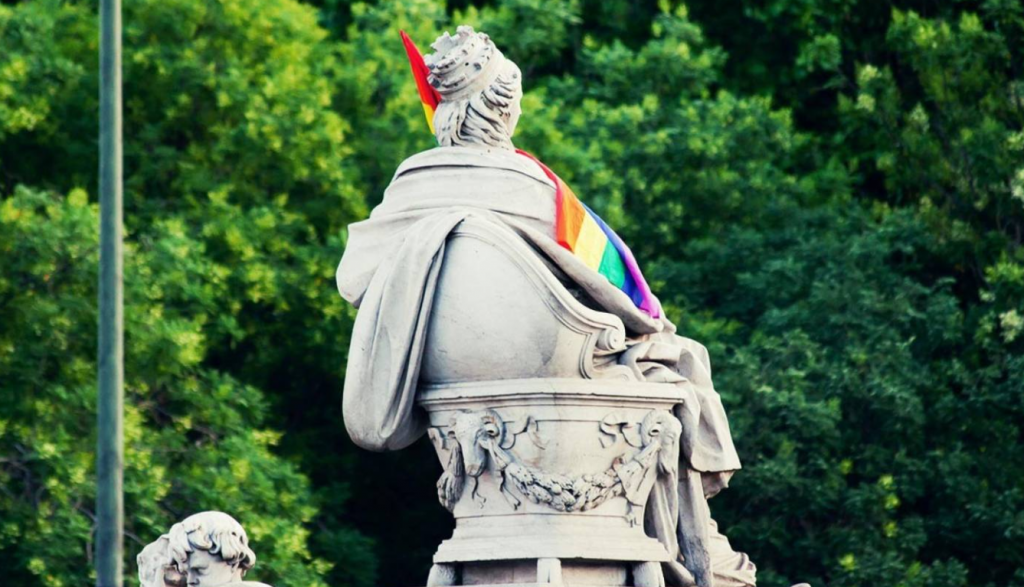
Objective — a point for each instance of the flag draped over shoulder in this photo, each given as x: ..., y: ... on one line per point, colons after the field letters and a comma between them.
x: 591, y: 240
x: 577, y: 228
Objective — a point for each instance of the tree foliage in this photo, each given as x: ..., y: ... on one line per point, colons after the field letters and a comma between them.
x: 236, y: 187
x: 828, y: 193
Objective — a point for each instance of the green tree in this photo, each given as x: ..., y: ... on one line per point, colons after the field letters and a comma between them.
x: 852, y: 264
x: 237, y: 186
x: 828, y: 193
x: 196, y: 437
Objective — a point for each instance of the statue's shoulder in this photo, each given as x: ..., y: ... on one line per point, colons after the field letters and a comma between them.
x: 488, y: 158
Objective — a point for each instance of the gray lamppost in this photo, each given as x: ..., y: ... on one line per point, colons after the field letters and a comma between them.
x: 110, y: 431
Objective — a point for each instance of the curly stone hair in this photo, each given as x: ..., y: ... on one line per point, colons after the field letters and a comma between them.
x: 485, y: 117
x: 214, y: 532
x: 479, y: 90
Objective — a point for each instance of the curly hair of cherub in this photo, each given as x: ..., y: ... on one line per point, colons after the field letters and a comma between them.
x: 214, y: 532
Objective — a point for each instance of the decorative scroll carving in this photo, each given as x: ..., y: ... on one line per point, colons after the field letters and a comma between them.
x: 476, y: 438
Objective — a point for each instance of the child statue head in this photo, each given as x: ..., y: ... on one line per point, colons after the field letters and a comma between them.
x: 211, y: 549
x: 155, y: 566
x: 480, y: 91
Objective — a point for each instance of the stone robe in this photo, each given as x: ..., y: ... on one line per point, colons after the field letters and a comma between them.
x: 389, y: 271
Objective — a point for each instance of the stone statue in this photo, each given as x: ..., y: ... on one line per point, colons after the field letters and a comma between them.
x: 478, y: 327
x: 208, y: 549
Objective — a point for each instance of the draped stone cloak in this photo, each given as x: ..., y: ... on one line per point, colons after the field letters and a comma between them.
x: 390, y: 269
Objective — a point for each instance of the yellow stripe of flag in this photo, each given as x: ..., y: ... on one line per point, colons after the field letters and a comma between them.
x: 590, y: 243
x: 428, y: 111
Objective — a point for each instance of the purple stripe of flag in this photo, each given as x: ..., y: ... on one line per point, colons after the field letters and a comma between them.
x: 648, y: 303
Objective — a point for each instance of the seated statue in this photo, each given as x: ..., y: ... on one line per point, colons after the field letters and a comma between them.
x: 463, y: 274
x: 208, y: 549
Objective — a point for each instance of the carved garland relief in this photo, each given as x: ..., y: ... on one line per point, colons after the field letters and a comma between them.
x: 475, y: 439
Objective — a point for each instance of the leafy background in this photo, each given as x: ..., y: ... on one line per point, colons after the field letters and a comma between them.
x: 828, y: 193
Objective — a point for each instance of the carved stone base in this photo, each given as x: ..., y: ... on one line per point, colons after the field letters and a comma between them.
x: 583, y: 536
x: 548, y: 480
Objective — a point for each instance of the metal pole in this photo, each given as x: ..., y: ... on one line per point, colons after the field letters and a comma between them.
x: 110, y: 420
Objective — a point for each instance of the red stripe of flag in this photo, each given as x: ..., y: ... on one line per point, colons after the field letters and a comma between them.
x: 428, y: 95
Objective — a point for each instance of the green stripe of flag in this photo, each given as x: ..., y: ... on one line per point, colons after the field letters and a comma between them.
x: 612, y: 266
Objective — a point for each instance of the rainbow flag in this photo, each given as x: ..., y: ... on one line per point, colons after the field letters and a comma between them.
x: 428, y: 95
x: 591, y: 240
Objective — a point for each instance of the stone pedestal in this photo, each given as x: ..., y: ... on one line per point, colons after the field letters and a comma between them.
x: 547, y: 480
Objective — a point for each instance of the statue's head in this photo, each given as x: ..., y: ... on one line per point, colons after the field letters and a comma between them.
x: 155, y: 566
x: 211, y: 549
x: 480, y: 91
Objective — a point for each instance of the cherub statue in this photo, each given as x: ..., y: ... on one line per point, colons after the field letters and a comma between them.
x: 208, y: 549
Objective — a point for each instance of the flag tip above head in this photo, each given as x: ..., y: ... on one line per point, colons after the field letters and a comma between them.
x: 428, y: 95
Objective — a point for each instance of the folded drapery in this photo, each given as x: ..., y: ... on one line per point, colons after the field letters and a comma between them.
x: 390, y: 268
x: 390, y: 271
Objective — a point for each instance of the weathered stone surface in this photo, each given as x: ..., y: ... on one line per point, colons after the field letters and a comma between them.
x: 542, y: 468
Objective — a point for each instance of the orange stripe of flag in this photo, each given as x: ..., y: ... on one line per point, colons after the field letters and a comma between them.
x: 571, y: 219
